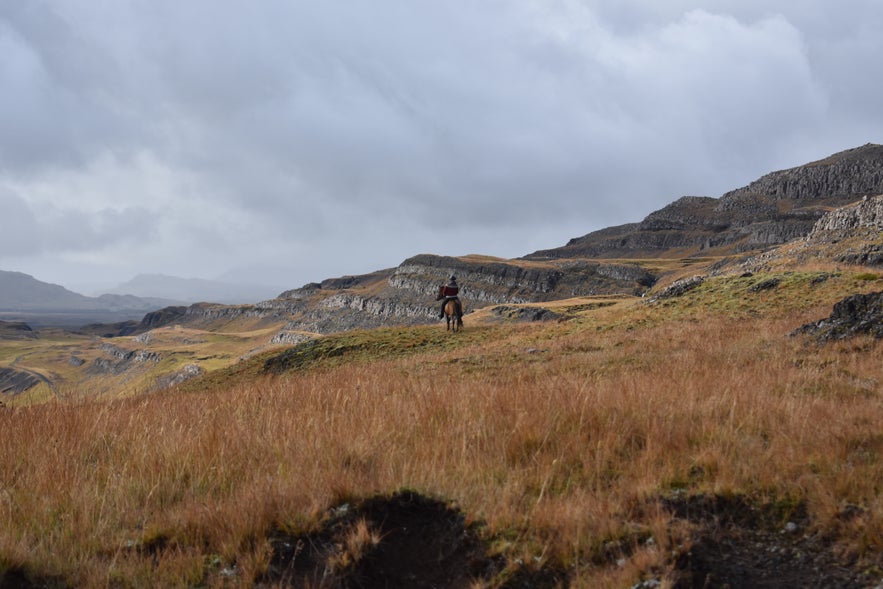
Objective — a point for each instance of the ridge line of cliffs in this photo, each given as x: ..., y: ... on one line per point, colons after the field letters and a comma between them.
x: 405, y: 294
x: 775, y: 209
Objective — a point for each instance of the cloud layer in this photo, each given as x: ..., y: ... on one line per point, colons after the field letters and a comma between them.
x: 194, y: 138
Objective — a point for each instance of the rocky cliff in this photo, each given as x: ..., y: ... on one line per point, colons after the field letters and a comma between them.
x: 777, y: 208
x: 837, y: 179
x: 406, y: 294
x: 852, y: 234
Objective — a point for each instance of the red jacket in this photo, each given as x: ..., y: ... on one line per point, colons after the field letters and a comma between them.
x: 451, y: 291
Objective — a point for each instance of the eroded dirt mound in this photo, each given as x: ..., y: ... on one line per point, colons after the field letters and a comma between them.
x: 403, y: 540
x: 740, y: 545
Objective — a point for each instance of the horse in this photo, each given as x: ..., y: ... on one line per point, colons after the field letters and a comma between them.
x: 453, y: 312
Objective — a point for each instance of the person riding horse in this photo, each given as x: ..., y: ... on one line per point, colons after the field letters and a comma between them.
x: 449, y: 292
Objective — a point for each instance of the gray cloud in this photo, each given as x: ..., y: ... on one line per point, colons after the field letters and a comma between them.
x: 19, y: 225
x: 327, y: 140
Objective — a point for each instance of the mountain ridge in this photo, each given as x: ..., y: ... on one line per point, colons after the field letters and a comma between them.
x: 772, y: 210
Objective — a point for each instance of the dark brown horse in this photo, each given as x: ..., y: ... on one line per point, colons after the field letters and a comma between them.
x: 453, y: 311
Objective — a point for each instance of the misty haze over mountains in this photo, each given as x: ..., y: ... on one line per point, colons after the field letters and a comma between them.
x: 23, y: 297
x: 193, y: 290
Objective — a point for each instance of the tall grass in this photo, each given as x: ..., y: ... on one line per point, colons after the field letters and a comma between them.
x: 559, y: 440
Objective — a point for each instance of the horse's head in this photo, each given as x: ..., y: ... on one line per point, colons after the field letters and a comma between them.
x: 441, y: 293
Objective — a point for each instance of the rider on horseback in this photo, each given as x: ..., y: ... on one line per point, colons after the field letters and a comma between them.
x: 449, y: 291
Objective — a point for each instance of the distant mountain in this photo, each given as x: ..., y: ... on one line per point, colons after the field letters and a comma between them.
x: 23, y: 297
x: 22, y: 292
x: 193, y: 290
x: 772, y: 210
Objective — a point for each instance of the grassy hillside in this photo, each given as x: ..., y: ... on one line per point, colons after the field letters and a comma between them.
x: 630, y: 442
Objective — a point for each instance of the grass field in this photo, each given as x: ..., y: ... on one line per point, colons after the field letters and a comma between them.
x: 560, y: 443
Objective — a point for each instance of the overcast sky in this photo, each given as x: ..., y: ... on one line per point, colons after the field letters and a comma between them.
x: 292, y: 141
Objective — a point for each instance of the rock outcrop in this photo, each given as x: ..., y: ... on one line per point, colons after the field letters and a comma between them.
x: 524, y: 314
x: 16, y: 330
x: 852, y: 234
x: 865, y: 215
x: 118, y: 360
x: 187, y: 372
x: 680, y: 287
x: 860, y: 314
x: 13, y: 381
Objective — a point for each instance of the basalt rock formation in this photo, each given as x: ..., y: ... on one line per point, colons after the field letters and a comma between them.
x: 772, y: 210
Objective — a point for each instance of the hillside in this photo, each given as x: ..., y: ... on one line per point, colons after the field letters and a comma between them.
x: 205, y: 341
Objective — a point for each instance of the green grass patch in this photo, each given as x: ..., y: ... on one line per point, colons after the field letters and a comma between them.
x: 370, y: 345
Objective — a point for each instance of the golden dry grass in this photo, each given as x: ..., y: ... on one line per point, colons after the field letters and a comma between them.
x: 559, y: 438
